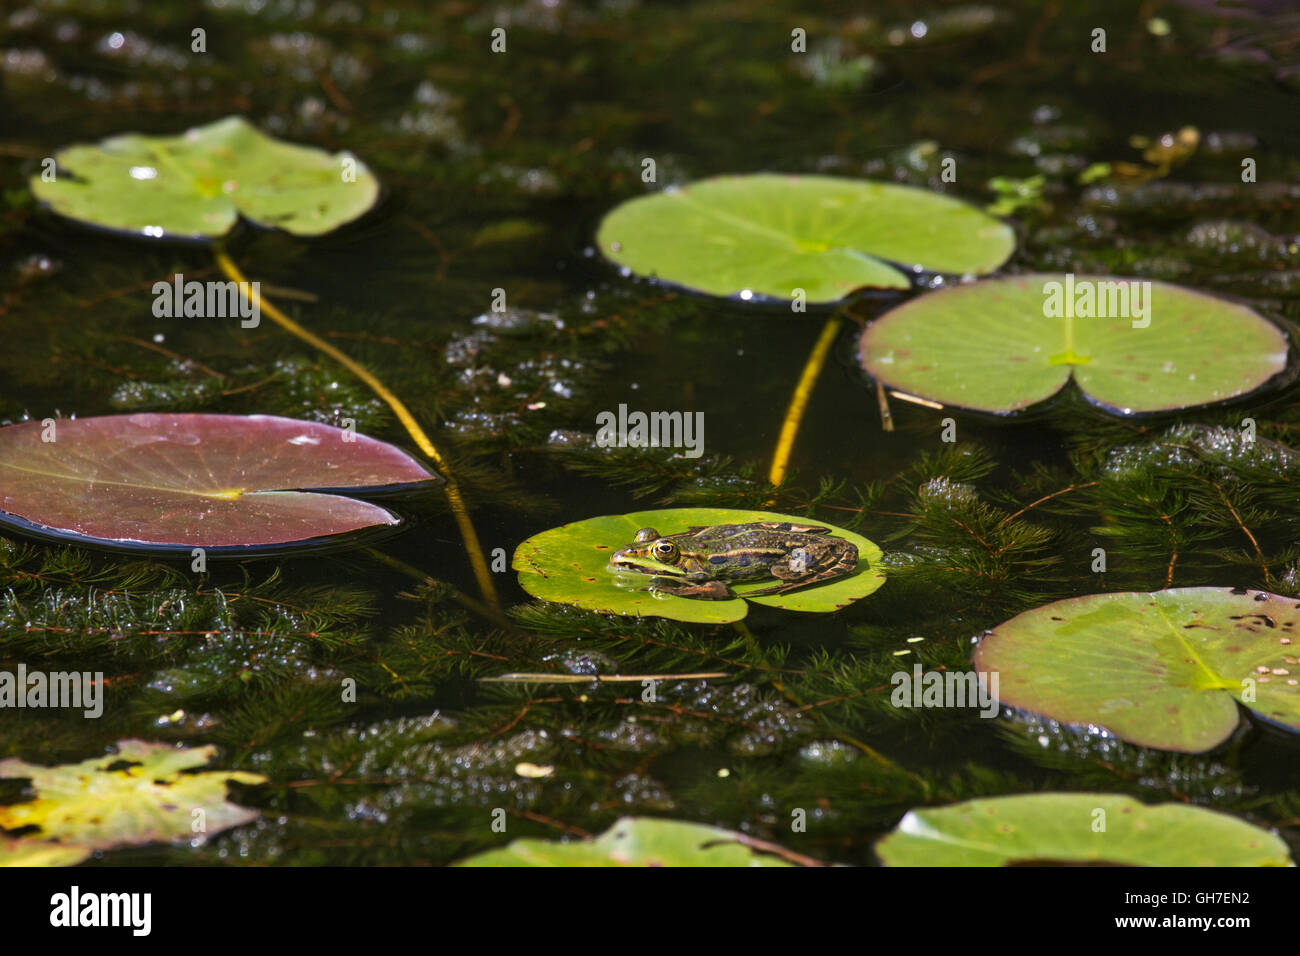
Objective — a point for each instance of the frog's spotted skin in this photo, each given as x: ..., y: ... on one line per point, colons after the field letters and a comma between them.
x: 700, y: 561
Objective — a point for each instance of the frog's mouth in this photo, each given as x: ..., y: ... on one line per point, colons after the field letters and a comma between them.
x: 636, y: 564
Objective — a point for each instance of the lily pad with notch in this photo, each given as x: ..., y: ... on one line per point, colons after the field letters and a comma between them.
x: 196, y: 185
x: 569, y: 565
x: 229, y: 484
x: 1165, y: 669
x: 768, y: 234
x: 990, y: 347
x: 1062, y: 829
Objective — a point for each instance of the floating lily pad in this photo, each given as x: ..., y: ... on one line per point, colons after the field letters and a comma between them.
x: 141, y: 794
x: 1165, y: 669
x: 1066, y: 829
x: 569, y: 564
x: 196, y: 185
x: 768, y: 235
x: 176, y: 482
x: 991, y: 347
x: 636, y: 841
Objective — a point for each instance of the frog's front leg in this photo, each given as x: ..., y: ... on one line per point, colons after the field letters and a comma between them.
x: 701, y: 590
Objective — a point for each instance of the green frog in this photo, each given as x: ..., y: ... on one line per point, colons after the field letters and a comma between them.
x: 700, y: 561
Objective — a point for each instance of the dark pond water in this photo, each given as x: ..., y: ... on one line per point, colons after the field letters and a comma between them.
x: 497, y: 168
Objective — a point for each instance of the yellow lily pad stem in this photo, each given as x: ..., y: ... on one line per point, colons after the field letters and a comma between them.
x: 458, y: 509
x: 799, y: 401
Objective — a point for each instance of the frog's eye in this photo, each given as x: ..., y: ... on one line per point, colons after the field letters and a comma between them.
x: 665, y: 549
x: 644, y: 535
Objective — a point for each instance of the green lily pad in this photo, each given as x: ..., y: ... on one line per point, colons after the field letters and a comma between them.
x: 635, y: 841
x: 1165, y: 669
x: 991, y: 347
x: 196, y: 185
x: 569, y: 565
x: 769, y: 234
x: 140, y: 794
x: 24, y: 852
x: 1067, y: 829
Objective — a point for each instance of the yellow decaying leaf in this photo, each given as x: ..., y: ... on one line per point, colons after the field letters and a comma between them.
x: 140, y: 794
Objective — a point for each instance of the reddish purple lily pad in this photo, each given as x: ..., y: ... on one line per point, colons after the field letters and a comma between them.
x: 162, y: 482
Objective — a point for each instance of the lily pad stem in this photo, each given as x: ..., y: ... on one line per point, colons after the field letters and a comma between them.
x: 458, y: 509
x: 886, y: 416
x: 799, y: 401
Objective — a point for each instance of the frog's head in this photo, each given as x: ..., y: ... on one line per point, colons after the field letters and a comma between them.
x: 649, y: 553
